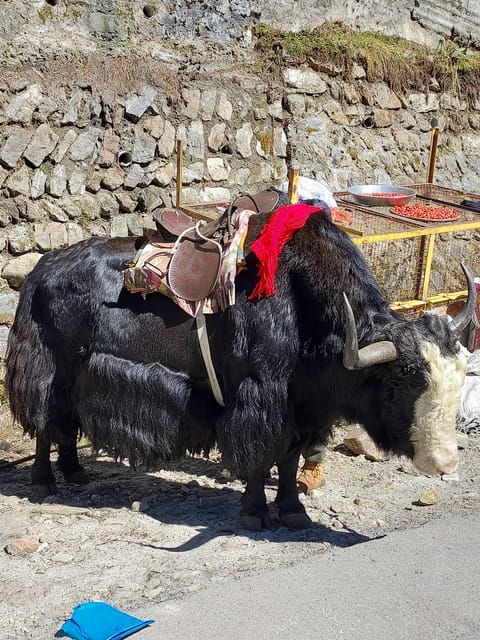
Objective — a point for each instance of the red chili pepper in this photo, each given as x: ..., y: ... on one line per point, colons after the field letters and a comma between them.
x: 426, y: 212
x: 379, y: 194
x: 341, y: 216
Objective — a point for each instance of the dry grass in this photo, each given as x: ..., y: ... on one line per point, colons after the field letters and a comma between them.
x: 104, y: 73
x: 402, y: 64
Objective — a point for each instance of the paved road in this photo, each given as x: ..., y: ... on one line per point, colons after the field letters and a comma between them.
x: 417, y: 584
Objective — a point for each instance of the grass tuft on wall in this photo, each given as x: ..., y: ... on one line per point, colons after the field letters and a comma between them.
x: 402, y: 64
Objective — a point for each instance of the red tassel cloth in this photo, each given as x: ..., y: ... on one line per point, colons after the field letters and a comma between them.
x: 268, y: 246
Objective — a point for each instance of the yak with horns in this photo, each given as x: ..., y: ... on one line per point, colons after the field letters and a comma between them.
x: 86, y: 356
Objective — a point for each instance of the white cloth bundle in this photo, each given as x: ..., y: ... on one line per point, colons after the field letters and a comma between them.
x: 468, y: 417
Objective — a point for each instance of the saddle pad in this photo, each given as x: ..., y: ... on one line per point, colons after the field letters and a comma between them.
x: 194, y: 268
x: 148, y: 271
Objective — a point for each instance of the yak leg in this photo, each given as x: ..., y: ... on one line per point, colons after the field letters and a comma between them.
x: 68, y: 462
x: 254, y: 514
x: 42, y: 474
x: 290, y: 510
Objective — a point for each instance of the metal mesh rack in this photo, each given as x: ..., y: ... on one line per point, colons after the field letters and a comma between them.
x: 445, y: 195
x: 419, y: 268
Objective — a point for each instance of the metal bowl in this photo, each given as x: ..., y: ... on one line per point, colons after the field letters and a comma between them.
x: 376, y: 195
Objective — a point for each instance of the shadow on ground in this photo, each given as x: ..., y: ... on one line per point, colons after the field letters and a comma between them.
x: 213, y: 511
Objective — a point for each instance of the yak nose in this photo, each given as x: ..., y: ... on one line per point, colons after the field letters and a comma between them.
x: 438, y: 464
x: 448, y: 468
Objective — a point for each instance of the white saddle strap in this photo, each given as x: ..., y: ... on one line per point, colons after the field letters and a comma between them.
x: 207, y: 357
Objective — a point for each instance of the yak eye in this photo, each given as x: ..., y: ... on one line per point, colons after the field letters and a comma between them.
x: 412, y: 376
x: 416, y: 378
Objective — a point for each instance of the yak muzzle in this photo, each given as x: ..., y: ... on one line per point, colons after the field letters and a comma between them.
x: 434, y: 463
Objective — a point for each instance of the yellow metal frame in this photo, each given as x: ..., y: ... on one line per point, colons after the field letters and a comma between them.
x: 429, y: 302
x: 428, y: 235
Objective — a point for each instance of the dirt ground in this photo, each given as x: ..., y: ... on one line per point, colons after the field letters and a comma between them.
x: 132, y: 538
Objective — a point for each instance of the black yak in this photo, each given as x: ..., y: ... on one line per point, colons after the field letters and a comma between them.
x: 86, y: 356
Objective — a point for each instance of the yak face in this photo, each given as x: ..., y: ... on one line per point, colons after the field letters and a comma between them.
x: 420, y: 386
x: 414, y: 379
x: 433, y: 431
x: 416, y: 396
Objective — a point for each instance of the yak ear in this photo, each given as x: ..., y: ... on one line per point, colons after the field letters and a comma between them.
x: 375, y: 353
x: 461, y: 320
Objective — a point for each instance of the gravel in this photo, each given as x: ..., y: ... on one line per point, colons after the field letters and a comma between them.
x: 134, y: 538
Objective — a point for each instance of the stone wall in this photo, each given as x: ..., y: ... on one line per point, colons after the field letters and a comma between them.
x: 77, y: 162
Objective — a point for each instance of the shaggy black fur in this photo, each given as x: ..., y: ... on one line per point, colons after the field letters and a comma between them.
x: 85, y: 355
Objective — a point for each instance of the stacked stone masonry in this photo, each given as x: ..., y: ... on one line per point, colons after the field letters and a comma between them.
x: 78, y: 163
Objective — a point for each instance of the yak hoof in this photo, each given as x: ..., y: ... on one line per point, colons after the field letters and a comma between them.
x: 296, y: 520
x: 42, y: 490
x: 257, y: 523
x: 79, y: 476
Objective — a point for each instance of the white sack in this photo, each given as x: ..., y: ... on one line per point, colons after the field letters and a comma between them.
x: 309, y: 188
x: 468, y: 417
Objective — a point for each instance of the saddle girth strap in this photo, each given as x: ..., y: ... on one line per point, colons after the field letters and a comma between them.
x: 207, y: 357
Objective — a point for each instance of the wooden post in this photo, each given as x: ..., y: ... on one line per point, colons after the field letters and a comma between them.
x: 433, y: 153
x: 178, y: 200
x: 293, y: 185
x: 428, y: 266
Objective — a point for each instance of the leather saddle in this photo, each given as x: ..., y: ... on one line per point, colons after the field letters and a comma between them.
x: 194, y: 267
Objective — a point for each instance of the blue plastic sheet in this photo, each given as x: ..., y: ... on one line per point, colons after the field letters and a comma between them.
x: 101, y: 621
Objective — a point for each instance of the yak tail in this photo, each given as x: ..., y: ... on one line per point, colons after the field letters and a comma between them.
x: 30, y: 366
